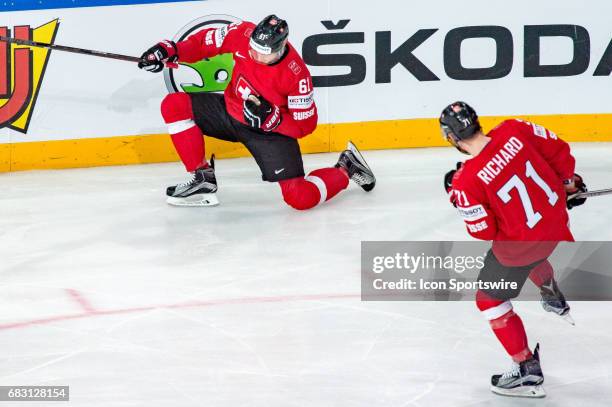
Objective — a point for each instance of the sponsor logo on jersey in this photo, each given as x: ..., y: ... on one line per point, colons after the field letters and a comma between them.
x: 21, y: 73
x: 472, y: 213
x: 300, y: 101
x: 207, y: 75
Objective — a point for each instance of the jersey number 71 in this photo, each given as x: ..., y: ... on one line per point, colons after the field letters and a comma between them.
x: 533, y: 217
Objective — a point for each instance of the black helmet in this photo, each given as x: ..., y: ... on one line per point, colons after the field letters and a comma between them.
x: 269, y: 35
x: 459, y: 121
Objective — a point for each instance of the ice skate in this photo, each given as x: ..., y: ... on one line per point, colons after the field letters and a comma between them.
x: 554, y: 301
x: 356, y: 167
x: 199, y: 191
x: 523, y: 380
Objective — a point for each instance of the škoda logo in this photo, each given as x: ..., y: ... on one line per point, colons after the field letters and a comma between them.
x: 21, y: 73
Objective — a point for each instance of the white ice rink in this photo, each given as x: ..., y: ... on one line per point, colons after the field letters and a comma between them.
x: 130, y: 302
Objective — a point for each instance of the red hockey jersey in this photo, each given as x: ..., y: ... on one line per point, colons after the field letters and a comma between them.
x: 286, y: 83
x: 513, y: 191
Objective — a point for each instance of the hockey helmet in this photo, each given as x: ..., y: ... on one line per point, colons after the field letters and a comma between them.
x: 459, y: 121
x: 269, y: 35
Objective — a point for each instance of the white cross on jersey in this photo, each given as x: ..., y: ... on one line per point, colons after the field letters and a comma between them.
x: 245, y: 92
x: 244, y: 89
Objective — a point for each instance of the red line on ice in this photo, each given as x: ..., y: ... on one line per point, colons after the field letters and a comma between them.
x: 91, y: 312
x: 81, y: 300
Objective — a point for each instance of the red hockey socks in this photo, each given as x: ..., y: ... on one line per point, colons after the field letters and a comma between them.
x: 319, y: 186
x: 186, y: 136
x: 507, y: 326
x: 542, y: 273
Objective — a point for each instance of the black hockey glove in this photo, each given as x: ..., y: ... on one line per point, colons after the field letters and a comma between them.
x: 448, y: 177
x: 153, y: 59
x: 448, y: 183
x: 261, y: 114
x: 580, y: 187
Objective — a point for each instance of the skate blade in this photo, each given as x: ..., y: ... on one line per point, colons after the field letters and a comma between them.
x: 521, y: 391
x: 194, y: 200
x: 353, y: 148
x: 568, y: 318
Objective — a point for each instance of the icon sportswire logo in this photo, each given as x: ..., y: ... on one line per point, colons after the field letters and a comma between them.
x: 208, y: 75
x: 22, y: 70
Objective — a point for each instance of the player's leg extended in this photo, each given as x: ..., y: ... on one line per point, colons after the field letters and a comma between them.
x: 319, y: 186
x: 280, y: 160
x: 300, y: 194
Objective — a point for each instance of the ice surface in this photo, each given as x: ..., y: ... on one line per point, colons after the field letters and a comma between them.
x: 131, y: 302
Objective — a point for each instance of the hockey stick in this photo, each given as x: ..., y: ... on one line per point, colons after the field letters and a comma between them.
x: 589, y: 194
x: 75, y: 50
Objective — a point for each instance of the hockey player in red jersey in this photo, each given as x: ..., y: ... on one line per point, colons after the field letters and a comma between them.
x: 513, y: 191
x: 267, y: 106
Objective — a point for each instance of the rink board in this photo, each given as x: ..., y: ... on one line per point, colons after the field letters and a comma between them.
x: 380, y: 82
x: 156, y: 148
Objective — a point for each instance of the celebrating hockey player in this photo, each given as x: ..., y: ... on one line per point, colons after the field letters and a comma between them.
x: 267, y: 106
x: 513, y: 191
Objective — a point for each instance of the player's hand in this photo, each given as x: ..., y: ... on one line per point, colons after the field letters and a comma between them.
x: 154, y: 59
x: 261, y: 114
x: 448, y: 177
x: 448, y: 183
x: 576, y: 186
